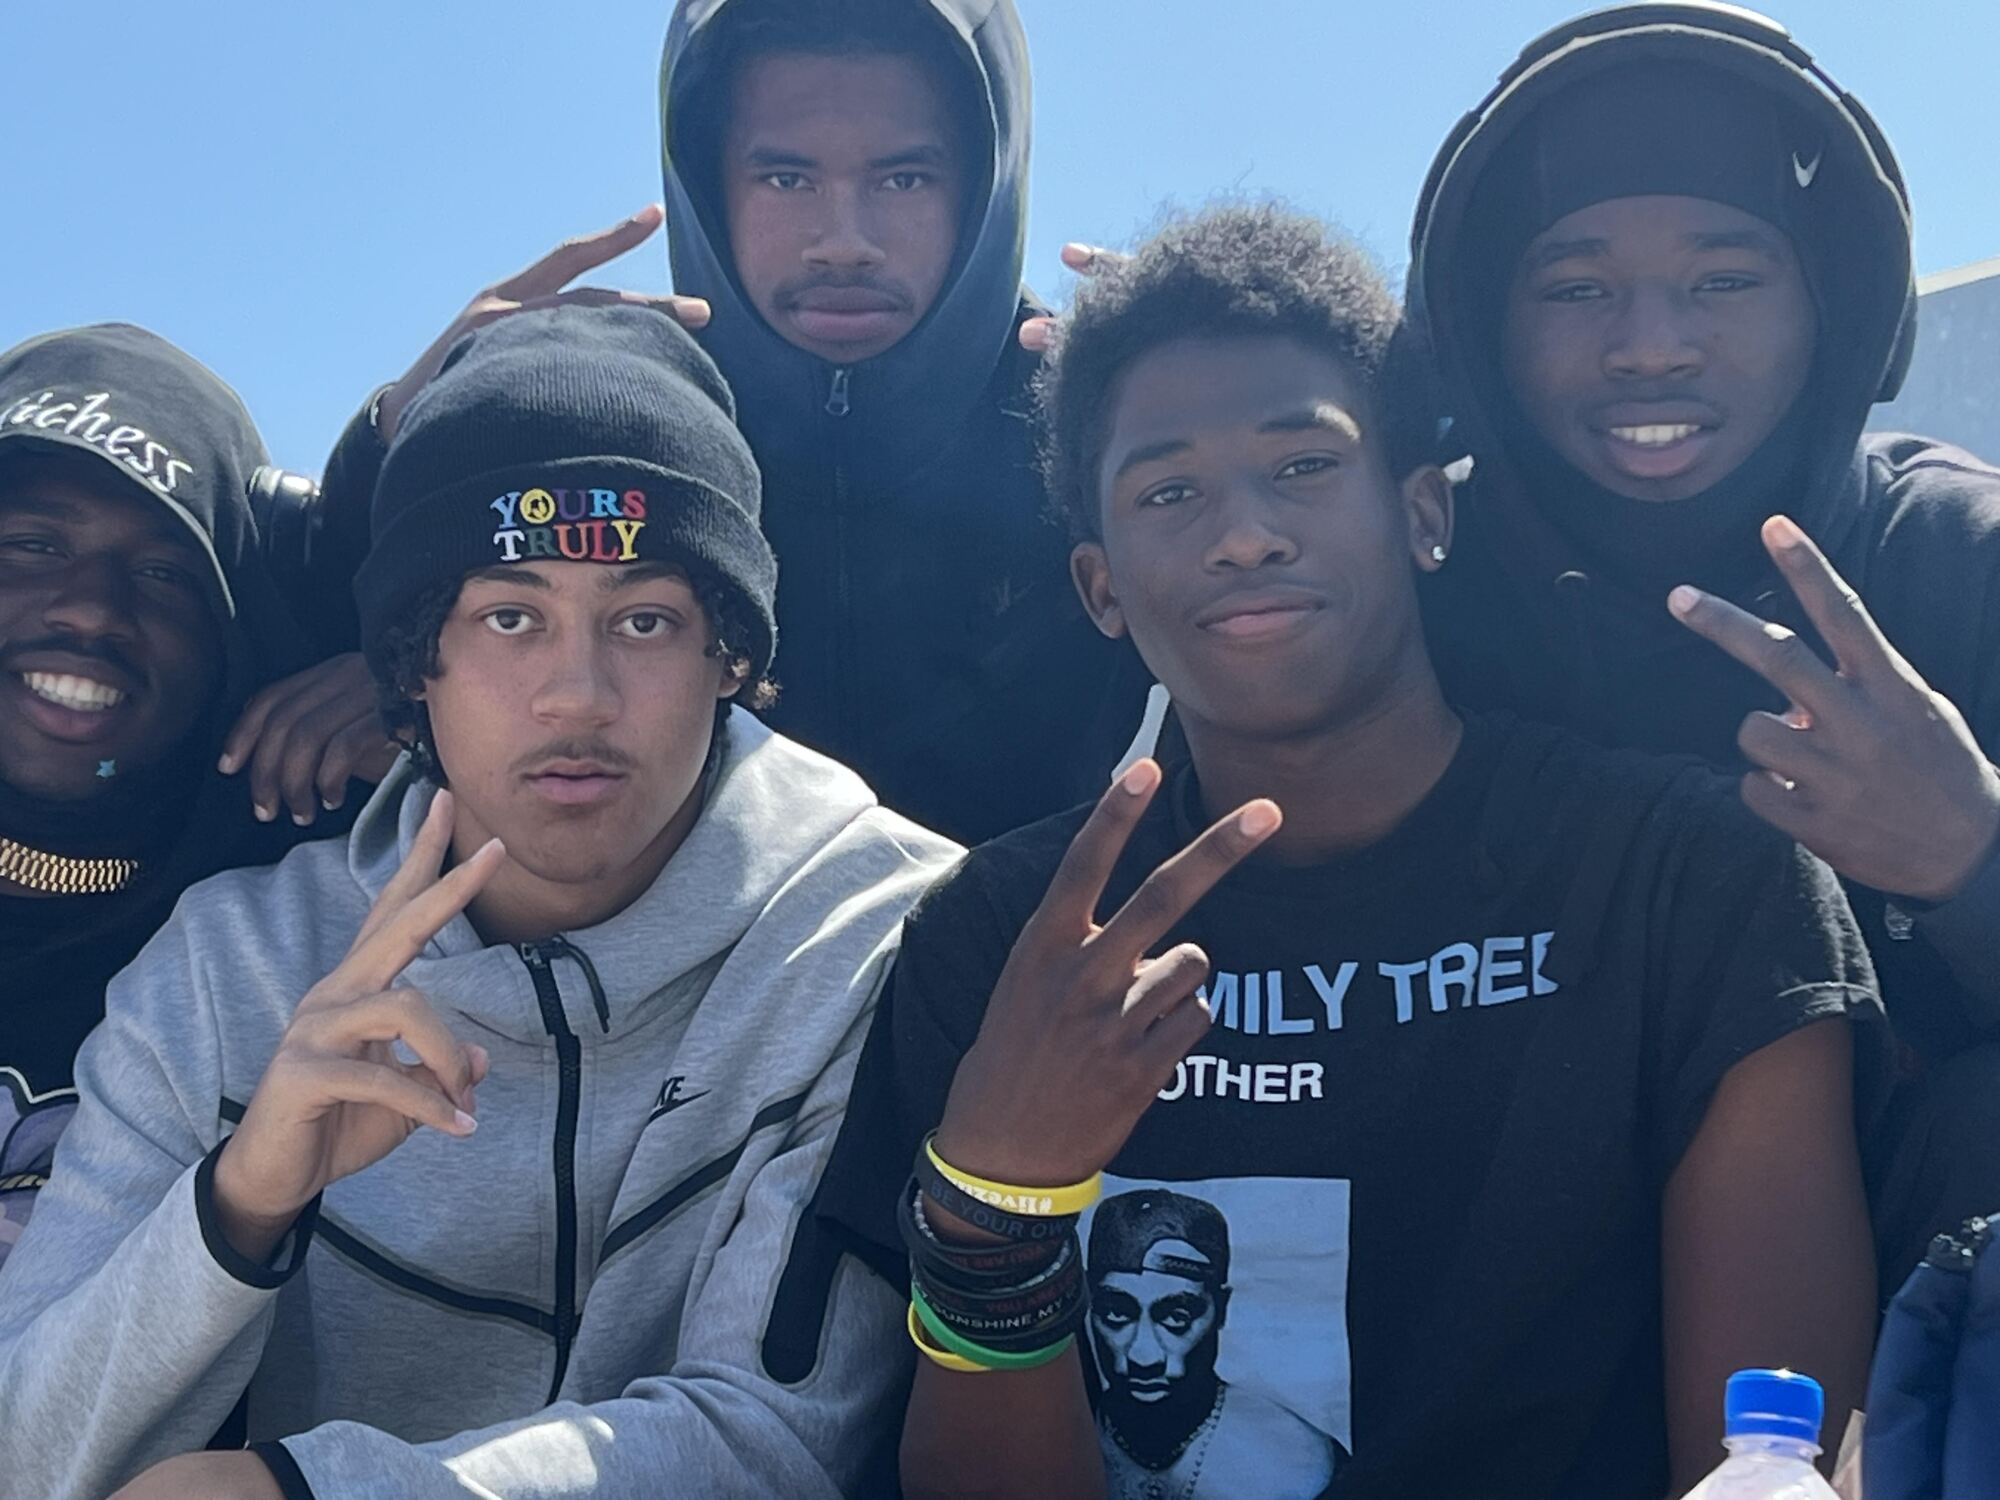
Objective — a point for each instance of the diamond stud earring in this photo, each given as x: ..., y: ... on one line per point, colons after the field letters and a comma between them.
x: 1437, y: 552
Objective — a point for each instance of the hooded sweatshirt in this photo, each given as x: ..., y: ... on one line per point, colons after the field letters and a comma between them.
x: 932, y: 637
x: 1553, y: 603
x: 584, y: 1298
x: 164, y: 427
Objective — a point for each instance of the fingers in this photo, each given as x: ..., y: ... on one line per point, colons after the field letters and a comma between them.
x: 586, y: 252
x: 304, y: 763
x: 1786, y: 805
x: 1068, y: 909
x: 418, y: 869
x: 346, y: 1080
x: 395, y: 1016
x: 362, y: 750
x: 1776, y: 743
x: 1088, y: 260
x: 1164, y: 983
x: 386, y: 952
x: 1771, y: 651
x: 1037, y: 335
x: 1176, y: 1033
x: 1171, y: 891
x: 290, y: 732
x: 689, y: 312
x: 1835, y: 609
x: 249, y: 725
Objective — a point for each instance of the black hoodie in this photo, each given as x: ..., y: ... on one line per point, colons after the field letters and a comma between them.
x: 166, y: 425
x: 929, y: 634
x: 1568, y: 623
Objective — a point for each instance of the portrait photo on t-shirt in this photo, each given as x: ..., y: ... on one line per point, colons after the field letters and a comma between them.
x: 1218, y: 1332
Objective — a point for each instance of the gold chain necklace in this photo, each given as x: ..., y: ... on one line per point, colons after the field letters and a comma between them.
x: 63, y: 874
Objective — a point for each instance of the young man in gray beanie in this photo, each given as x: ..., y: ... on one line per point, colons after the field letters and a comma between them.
x: 472, y: 1147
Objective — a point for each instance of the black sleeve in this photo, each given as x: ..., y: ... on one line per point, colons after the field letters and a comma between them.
x: 1935, y: 591
x: 955, y: 944
x: 285, y: 1469
x: 346, y: 494
x: 1753, y: 941
x: 268, y: 1278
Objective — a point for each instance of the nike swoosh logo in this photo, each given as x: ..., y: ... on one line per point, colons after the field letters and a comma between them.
x: 1806, y: 171
x: 669, y: 1105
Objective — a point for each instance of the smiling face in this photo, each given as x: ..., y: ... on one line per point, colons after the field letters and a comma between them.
x: 1254, y: 544
x: 573, y: 711
x: 843, y: 181
x: 1656, y: 342
x: 110, y: 645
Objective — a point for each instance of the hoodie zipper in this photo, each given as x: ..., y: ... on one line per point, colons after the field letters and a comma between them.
x: 569, y: 1063
x: 839, y: 405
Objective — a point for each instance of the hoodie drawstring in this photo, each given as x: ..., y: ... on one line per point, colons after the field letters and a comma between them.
x: 562, y: 947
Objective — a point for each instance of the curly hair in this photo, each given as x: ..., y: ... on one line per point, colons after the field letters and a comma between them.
x: 406, y: 656
x: 1226, y: 272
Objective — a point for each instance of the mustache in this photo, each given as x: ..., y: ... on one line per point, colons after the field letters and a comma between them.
x: 790, y: 291
x: 107, y: 652
x: 596, y: 751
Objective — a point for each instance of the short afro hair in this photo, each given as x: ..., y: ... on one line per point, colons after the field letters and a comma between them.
x: 405, y: 656
x: 1222, y: 273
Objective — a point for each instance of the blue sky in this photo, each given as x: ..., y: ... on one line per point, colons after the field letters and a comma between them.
x: 302, y: 195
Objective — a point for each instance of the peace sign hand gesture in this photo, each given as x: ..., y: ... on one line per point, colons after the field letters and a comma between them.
x: 542, y: 285
x: 1870, y: 768
x: 1083, y: 1029
x: 334, y: 1098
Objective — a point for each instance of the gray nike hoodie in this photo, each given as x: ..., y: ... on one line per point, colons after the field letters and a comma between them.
x: 575, y: 1300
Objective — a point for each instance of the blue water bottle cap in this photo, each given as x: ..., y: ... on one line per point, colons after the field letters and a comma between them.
x: 1780, y: 1402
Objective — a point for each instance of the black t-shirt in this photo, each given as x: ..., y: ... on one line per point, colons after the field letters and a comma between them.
x: 52, y: 996
x: 1392, y: 1229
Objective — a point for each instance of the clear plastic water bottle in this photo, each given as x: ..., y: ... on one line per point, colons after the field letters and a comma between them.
x: 1771, y: 1428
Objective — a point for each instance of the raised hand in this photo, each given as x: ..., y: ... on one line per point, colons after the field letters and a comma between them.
x: 541, y: 285
x: 334, y: 1098
x: 303, y: 738
x: 1870, y: 768
x: 1083, y: 1029
x: 1036, y: 334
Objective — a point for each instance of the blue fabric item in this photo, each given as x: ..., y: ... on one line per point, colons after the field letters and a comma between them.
x: 1935, y: 1387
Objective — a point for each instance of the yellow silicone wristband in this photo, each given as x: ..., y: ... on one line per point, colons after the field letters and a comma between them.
x: 1032, y: 1203
x: 939, y: 1356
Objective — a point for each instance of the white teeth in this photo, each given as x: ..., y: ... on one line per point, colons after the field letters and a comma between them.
x: 79, y: 693
x: 1657, y: 435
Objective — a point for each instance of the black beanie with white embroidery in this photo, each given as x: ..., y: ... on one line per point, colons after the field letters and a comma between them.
x: 571, y: 434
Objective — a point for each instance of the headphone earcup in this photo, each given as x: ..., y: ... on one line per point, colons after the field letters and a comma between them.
x: 286, y: 508
x: 1905, y: 350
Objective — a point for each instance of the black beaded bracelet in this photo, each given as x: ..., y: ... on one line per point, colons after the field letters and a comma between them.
x: 1006, y: 1265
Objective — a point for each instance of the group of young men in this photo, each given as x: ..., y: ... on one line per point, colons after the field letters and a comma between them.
x: 1545, y: 959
